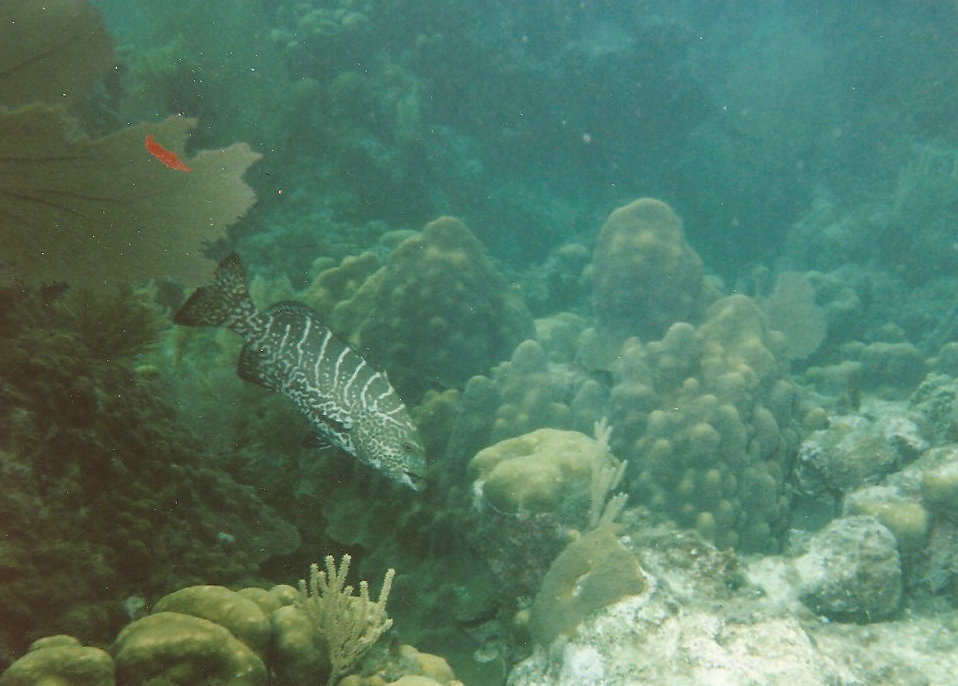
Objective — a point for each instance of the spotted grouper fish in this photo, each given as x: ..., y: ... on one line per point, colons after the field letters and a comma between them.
x: 288, y: 349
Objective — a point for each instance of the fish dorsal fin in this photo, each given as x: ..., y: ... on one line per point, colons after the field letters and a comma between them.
x: 294, y: 308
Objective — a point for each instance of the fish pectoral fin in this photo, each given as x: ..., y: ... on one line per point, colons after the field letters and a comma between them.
x: 332, y: 430
x: 316, y: 441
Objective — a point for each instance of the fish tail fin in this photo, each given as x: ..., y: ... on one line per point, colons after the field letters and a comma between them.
x: 224, y: 302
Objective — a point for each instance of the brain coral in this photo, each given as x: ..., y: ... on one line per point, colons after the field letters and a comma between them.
x: 437, y: 312
x: 541, y: 471
x: 645, y: 274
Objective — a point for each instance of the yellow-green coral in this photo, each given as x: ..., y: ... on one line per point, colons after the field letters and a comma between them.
x: 708, y: 417
x: 229, y: 609
x: 174, y: 648
x: 539, y: 471
x: 533, y: 394
x: 645, y: 274
x: 60, y: 661
x: 298, y: 654
x: 336, y: 284
x: 436, y: 313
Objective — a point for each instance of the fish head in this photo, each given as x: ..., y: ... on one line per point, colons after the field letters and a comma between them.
x: 391, y: 444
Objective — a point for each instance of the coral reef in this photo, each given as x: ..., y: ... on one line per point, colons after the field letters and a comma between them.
x: 711, y: 422
x: 426, y: 314
x: 377, y: 116
x: 706, y: 415
x: 87, y: 446
x: 645, y: 275
x: 210, y: 635
x: 535, y: 392
x: 546, y: 470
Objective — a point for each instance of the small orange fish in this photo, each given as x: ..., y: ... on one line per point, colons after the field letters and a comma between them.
x: 165, y: 156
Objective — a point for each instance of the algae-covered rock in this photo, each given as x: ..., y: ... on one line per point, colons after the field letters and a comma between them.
x: 892, y: 369
x: 858, y: 450
x: 939, y: 483
x: 645, y: 274
x: 852, y: 571
x: 60, y: 661
x: 175, y: 649
x: 905, y: 517
x: 240, y: 615
x: 591, y: 573
x: 844, y: 456
x: 936, y: 399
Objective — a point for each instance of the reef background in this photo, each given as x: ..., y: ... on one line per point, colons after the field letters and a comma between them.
x: 810, y: 150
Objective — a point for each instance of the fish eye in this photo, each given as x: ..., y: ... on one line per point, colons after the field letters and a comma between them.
x: 408, y: 447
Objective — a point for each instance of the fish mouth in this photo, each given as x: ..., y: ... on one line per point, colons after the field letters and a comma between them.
x: 413, y: 481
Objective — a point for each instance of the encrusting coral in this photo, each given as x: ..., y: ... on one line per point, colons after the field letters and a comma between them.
x: 73, y: 205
